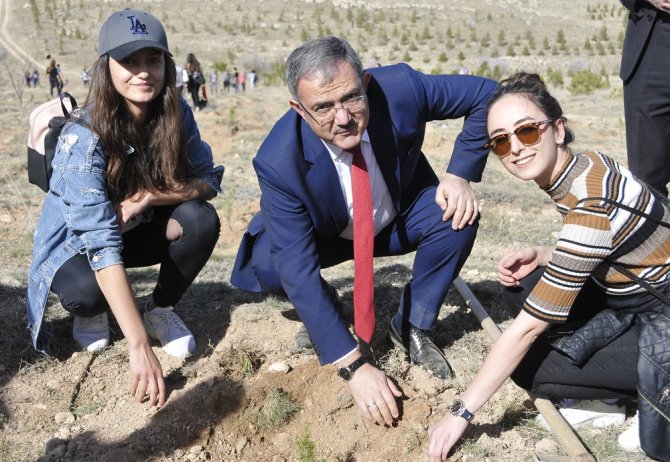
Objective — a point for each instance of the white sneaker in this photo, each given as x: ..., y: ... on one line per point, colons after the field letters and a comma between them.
x: 629, y: 440
x: 92, y: 334
x: 164, y: 325
x: 584, y: 412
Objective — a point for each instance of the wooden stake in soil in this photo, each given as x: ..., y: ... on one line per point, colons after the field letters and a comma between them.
x: 558, y: 425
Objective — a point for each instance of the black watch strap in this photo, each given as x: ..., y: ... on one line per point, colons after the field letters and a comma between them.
x: 347, y: 372
x: 458, y: 409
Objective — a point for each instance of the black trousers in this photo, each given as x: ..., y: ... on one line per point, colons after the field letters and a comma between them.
x: 145, y: 245
x: 610, y: 372
x: 647, y: 110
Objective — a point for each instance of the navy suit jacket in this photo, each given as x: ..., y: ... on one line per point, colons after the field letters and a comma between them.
x: 641, y: 18
x: 301, y: 196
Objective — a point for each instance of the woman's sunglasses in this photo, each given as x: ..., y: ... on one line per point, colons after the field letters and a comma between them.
x: 528, y: 134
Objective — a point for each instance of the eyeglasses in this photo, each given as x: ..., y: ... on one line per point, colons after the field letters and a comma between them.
x: 528, y: 134
x: 325, y: 115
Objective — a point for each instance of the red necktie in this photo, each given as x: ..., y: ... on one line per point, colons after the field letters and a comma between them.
x: 364, y: 242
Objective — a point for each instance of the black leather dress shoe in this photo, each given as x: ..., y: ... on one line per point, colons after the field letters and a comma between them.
x: 422, y: 351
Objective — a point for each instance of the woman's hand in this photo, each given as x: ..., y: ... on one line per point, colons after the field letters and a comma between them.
x: 518, y: 264
x: 131, y: 207
x: 147, y: 375
x: 443, y: 435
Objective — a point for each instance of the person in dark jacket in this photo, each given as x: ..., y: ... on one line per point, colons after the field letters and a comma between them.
x: 645, y: 72
x: 606, y: 279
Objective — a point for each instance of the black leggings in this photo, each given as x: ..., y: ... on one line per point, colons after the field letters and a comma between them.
x: 610, y: 372
x: 145, y: 245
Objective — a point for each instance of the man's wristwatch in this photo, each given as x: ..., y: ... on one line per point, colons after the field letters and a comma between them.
x: 457, y: 408
x: 347, y: 372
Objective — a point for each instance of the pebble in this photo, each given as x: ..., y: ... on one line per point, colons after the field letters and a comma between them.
x: 279, y: 366
x: 546, y: 445
x: 278, y: 459
x: 241, y: 444
x: 41, y: 406
x: 64, y: 418
x: 179, y: 453
x: 53, y: 384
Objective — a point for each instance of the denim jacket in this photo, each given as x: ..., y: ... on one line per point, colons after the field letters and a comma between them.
x: 78, y: 216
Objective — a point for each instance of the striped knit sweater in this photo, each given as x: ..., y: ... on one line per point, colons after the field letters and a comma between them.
x: 595, y: 233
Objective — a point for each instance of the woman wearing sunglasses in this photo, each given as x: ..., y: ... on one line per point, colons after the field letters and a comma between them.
x: 593, y: 312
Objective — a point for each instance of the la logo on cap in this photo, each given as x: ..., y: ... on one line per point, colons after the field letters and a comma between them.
x: 136, y: 27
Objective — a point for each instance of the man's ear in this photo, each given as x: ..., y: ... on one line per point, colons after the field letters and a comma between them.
x: 298, y: 108
x: 366, y: 79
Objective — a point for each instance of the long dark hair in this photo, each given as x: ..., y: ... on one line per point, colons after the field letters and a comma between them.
x: 158, y: 162
x: 531, y: 87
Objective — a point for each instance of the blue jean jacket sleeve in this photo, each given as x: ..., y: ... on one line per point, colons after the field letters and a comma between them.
x: 199, y: 152
x: 87, y: 209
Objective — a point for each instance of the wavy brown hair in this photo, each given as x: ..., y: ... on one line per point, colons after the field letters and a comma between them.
x: 158, y: 163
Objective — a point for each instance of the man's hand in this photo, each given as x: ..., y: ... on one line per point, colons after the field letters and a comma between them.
x: 457, y: 199
x: 375, y: 394
x: 663, y: 5
x: 443, y: 435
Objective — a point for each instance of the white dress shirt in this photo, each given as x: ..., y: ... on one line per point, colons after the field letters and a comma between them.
x: 383, y: 211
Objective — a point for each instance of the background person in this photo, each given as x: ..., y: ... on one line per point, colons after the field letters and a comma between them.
x: 54, y: 78
x: 308, y: 212
x: 610, y: 220
x: 645, y: 71
x: 129, y: 189
x: 195, y: 80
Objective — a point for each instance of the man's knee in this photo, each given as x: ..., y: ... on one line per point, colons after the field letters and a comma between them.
x: 263, y: 265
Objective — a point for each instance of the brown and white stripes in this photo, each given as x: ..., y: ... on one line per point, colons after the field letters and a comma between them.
x: 595, y: 233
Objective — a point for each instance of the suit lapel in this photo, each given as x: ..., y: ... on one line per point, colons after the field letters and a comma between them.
x: 323, y: 181
x: 381, y: 131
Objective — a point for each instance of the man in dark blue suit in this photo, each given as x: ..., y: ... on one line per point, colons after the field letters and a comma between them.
x: 305, y: 222
x: 645, y: 71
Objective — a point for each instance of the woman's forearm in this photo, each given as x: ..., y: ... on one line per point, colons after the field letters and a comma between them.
x: 114, y: 283
x: 505, y: 356
x: 194, y: 189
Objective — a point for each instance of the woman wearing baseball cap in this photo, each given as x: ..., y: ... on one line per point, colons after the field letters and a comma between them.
x: 130, y: 186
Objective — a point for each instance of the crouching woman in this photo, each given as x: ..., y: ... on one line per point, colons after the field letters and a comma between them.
x: 607, y: 277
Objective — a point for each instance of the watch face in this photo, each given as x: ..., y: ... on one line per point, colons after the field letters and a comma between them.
x: 345, y: 373
x: 456, y: 407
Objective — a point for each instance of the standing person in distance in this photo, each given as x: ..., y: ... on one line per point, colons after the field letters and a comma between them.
x: 607, y: 279
x: 129, y: 188
x: 195, y: 79
x: 54, y: 78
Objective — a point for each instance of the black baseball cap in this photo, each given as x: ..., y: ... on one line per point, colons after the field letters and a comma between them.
x: 129, y: 30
